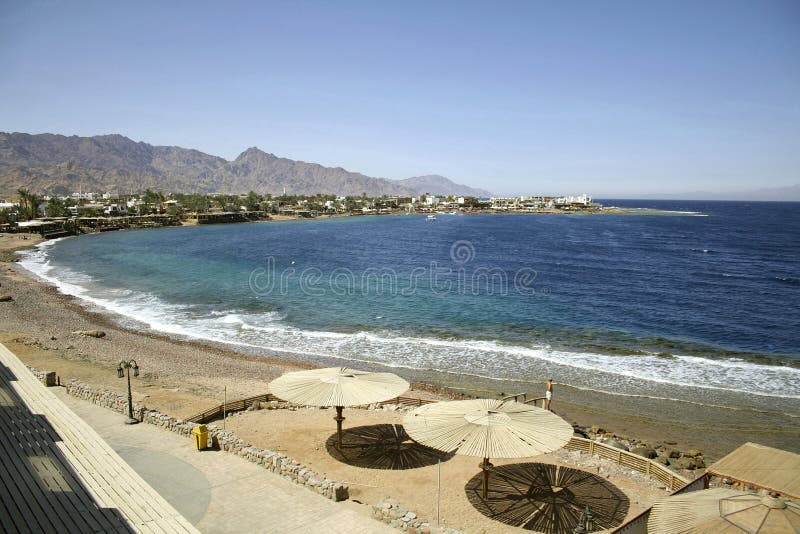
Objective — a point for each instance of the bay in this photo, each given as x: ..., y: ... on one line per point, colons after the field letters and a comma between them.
x: 700, y: 305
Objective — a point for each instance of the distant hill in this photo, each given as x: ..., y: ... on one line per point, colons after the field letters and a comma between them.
x: 266, y: 173
x: 57, y: 164
x: 439, y: 185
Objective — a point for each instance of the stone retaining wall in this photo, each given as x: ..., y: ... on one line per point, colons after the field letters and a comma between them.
x: 390, y: 512
x: 278, y: 463
x: 48, y: 378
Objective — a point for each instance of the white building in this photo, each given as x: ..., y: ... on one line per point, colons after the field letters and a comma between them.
x: 116, y: 209
x: 582, y: 200
x: 504, y: 203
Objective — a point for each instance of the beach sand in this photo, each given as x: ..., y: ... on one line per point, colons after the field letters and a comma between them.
x: 303, y: 434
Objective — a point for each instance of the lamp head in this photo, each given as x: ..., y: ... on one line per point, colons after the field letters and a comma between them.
x: 120, y: 372
x: 135, y: 369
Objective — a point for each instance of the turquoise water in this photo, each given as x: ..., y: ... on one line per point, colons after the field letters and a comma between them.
x: 703, y: 305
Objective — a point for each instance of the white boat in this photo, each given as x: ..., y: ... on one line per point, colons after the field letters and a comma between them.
x: 431, y: 218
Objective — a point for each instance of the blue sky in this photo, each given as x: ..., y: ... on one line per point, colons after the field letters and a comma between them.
x: 609, y: 98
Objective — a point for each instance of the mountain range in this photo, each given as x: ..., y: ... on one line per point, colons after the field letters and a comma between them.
x: 59, y: 165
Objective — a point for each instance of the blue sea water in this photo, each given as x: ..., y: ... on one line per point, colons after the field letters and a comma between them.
x: 702, y: 304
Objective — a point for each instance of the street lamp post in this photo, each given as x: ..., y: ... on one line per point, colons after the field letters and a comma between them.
x: 121, y: 374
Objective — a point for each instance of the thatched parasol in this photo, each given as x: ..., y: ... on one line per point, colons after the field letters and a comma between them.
x: 488, y: 428
x: 725, y: 511
x: 339, y: 387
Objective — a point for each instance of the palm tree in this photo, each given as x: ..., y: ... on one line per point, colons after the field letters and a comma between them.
x: 28, y: 204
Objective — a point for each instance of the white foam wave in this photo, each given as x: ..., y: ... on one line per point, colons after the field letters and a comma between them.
x: 268, y: 331
x: 658, y: 210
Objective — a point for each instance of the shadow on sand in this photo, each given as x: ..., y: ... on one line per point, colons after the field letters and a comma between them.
x: 547, y: 498
x: 382, y: 447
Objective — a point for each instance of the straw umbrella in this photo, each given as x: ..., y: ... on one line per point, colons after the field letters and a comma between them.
x: 338, y: 387
x: 488, y: 428
x: 724, y: 511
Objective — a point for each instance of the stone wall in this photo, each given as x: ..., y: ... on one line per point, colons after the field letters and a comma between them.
x: 48, y: 378
x: 278, y: 463
x: 390, y: 512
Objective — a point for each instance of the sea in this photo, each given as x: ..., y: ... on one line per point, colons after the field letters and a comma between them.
x: 697, y: 302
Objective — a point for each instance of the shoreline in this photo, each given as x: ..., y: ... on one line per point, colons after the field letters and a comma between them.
x: 188, y: 375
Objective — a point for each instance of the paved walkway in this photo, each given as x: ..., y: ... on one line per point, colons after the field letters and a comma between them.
x: 219, y: 492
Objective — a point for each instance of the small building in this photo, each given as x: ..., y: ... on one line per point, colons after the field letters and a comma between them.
x: 114, y: 210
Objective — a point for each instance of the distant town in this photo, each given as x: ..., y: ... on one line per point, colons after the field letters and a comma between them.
x: 85, y: 212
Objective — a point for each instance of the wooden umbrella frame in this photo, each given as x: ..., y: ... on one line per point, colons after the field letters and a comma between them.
x: 337, y: 387
x: 488, y: 428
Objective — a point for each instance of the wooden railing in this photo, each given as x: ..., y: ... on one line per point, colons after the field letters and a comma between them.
x: 242, y: 404
x: 525, y: 400
x: 409, y: 401
x: 234, y: 406
x: 654, y: 470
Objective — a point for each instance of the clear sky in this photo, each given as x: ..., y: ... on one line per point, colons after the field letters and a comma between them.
x: 608, y: 98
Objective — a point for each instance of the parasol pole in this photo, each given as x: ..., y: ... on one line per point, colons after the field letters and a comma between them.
x: 485, y: 465
x: 439, y: 492
x: 339, y: 420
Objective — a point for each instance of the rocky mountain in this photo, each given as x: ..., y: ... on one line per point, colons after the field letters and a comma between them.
x: 439, y: 185
x: 262, y: 172
x: 57, y: 164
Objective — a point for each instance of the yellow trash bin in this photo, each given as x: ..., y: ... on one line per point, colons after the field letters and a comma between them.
x: 200, y: 437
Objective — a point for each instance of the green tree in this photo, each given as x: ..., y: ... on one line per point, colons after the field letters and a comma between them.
x: 56, y: 207
x: 28, y: 204
x: 194, y: 202
x: 352, y: 203
x: 253, y: 201
x: 229, y: 202
x: 7, y: 216
x: 152, y: 200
